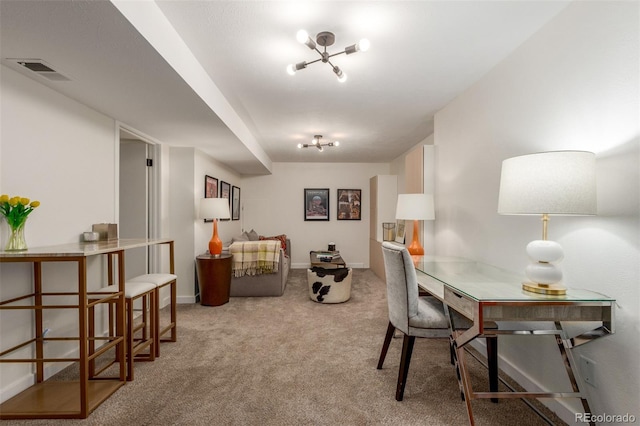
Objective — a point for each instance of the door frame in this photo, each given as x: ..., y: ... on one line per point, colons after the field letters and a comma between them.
x: 153, y: 192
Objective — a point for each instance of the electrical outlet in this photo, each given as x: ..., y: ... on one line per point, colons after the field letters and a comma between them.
x: 588, y: 368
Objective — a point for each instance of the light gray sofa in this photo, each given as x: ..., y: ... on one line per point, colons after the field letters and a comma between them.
x: 264, y: 284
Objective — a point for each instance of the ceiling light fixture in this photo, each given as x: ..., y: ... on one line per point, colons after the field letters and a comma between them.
x: 324, y: 39
x: 317, y: 142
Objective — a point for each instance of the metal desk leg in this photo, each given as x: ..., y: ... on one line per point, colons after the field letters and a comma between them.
x: 463, y: 378
x: 567, y: 357
x: 492, y: 362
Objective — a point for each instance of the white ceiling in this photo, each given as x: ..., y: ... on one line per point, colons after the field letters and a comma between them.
x: 423, y: 54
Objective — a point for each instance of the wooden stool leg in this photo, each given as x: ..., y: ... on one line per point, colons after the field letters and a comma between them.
x: 130, y: 355
x: 174, y: 322
x: 92, y: 342
x: 156, y: 331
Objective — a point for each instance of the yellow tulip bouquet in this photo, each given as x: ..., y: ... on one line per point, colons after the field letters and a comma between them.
x: 16, y: 210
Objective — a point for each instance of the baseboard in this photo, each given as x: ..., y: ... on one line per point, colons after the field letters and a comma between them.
x: 185, y: 300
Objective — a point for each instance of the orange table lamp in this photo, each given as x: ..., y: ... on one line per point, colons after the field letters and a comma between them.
x: 214, y: 208
x: 415, y: 207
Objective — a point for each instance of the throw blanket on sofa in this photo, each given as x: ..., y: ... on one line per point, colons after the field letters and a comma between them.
x: 255, y: 257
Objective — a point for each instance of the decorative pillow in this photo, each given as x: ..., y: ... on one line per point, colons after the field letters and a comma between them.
x: 282, y: 238
x: 241, y: 237
x: 253, y: 235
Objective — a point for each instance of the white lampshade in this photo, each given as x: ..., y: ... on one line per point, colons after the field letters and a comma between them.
x: 553, y: 183
x: 548, y: 183
x: 214, y: 208
x: 415, y: 207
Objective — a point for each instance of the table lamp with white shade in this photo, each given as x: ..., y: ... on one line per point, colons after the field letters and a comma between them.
x: 415, y: 207
x: 548, y: 183
x: 214, y: 208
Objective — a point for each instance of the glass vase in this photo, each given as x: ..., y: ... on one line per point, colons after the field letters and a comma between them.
x: 16, y: 240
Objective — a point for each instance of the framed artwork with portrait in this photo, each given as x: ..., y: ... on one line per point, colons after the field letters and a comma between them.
x: 235, y: 203
x: 349, y: 203
x: 316, y: 204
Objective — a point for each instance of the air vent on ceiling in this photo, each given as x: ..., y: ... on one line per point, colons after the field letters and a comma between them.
x: 41, y: 68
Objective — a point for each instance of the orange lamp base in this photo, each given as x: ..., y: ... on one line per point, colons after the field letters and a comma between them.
x: 415, y: 249
x: 215, y: 244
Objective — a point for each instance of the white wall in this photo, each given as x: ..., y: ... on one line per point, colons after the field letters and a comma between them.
x: 63, y: 154
x: 573, y: 85
x: 188, y: 167
x: 398, y: 168
x: 274, y: 205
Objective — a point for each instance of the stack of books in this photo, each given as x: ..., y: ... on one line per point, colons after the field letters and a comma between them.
x: 327, y: 256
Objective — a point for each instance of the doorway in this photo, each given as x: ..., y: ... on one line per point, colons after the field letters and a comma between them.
x: 135, y: 207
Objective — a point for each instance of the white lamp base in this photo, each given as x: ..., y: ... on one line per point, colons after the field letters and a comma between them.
x: 543, y: 273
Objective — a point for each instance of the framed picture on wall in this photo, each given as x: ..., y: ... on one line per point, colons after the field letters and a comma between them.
x: 349, y: 202
x: 210, y: 189
x: 235, y: 203
x: 225, y: 192
x: 316, y: 204
x: 400, y: 231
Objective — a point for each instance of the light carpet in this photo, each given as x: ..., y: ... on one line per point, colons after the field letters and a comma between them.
x: 291, y: 361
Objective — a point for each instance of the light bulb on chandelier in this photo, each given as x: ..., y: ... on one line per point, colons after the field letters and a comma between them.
x: 324, y: 39
x: 317, y: 142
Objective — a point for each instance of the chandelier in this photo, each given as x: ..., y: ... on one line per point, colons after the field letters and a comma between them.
x: 324, y: 39
x: 317, y: 142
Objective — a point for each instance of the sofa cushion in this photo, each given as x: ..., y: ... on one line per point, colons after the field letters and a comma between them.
x: 282, y: 238
x: 252, y: 235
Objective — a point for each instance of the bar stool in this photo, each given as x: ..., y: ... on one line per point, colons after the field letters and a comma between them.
x: 135, y: 346
x: 161, y: 281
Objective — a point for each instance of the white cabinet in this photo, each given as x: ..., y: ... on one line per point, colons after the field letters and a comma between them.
x: 384, y: 194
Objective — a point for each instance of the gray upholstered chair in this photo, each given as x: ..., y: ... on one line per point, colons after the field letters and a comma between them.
x: 414, y: 316
x: 420, y: 316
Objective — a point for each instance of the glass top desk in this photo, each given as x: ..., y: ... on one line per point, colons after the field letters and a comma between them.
x: 483, y: 293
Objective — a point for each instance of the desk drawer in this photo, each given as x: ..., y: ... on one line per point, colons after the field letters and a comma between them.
x: 430, y: 285
x: 459, y: 303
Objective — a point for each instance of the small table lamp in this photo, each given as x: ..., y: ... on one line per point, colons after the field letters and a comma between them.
x: 548, y: 183
x: 415, y: 207
x: 214, y: 208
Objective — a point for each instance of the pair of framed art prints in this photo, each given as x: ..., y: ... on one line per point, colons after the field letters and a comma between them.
x: 231, y: 193
x: 316, y: 204
x: 316, y: 200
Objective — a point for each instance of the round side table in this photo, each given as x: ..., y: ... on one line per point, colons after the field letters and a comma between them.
x: 214, y: 278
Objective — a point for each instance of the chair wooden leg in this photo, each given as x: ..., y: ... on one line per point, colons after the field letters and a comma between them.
x: 407, y: 349
x: 492, y: 361
x: 385, y: 345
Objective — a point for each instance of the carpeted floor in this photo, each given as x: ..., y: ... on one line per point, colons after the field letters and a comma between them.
x: 290, y: 361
